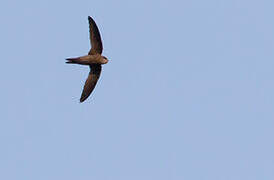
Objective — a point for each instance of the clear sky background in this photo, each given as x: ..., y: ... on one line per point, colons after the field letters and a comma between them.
x: 188, y: 93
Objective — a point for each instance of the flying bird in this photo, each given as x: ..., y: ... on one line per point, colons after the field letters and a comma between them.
x: 94, y: 59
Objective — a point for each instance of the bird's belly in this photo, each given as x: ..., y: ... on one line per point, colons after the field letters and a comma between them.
x: 92, y: 59
x: 98, y: 61
x: 95, y: 61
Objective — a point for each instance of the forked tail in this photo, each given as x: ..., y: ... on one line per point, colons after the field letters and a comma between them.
x: 73, y: 61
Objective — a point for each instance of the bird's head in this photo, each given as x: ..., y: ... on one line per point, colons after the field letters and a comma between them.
x: 105, y: 60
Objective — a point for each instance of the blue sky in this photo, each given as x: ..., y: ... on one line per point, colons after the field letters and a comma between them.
x: 187, y: 94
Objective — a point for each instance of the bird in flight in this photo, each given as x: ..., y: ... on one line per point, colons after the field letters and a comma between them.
x: 94, y: 60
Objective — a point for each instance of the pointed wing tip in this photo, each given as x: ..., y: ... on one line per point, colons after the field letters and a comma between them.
x: 82, y: 99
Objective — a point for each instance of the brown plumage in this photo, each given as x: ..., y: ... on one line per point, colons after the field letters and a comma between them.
x: 94, y: 74
x: 95, y: 38
x: 94, y: 59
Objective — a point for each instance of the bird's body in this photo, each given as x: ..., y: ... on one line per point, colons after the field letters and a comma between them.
x: 88, y: 60
x: 94, y: 59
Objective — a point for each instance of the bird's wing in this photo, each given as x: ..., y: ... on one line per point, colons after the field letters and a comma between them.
x: 95, y: 38
x: 94, y: 74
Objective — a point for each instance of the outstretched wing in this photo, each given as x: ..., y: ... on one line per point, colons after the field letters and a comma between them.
x: 95, y: 38
x: 94, y: 74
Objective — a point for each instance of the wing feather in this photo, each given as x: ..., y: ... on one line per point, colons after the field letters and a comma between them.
x: 94, y: 74
x: 95, y: 38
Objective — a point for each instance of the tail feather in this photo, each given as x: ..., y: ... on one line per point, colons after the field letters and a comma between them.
x: 79, y: 60
x: 73, y: 60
